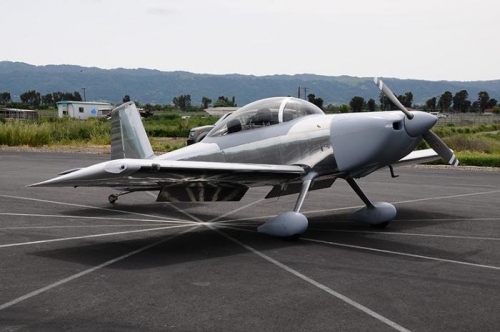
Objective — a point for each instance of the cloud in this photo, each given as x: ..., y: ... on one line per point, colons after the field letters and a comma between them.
x: 160, y: 11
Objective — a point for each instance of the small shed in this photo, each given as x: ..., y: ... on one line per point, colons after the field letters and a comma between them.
x: 15, y: 113
x: 81, y: 109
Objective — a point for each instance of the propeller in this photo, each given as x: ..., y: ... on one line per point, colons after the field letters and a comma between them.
x: 392, y: 97
x: 415, y: 129
x: 440, y: 147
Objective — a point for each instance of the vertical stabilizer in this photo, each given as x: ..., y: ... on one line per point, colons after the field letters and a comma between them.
x: 128, y: 137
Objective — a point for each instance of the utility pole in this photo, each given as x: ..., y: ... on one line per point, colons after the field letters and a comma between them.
x: 305, y: 92
x: 84, y: 98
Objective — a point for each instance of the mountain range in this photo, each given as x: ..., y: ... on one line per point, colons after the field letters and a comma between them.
x: 160, y: 87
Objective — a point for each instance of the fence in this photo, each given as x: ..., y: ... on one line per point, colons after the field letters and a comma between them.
x: 468, y: 119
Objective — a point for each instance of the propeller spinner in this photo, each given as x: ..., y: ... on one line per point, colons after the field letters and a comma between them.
x: 431, y: 138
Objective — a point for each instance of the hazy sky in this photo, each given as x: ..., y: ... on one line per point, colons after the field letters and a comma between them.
x: 418, y: 39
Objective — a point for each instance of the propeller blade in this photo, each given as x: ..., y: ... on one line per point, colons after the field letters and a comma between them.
x: 440, y: 147
x: 392, y: 97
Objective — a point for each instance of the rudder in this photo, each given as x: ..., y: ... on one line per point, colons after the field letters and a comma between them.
x: 128, y: 137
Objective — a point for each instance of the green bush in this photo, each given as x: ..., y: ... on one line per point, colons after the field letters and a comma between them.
x: 479, y: 159
x: 54, y: 131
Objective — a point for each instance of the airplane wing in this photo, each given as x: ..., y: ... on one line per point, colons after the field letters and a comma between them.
x: 418, y: 157
x: 178, y: 180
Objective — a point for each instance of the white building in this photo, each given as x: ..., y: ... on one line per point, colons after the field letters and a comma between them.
x: 81, y: 109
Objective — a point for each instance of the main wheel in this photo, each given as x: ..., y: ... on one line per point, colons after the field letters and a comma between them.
x: 112, y: 198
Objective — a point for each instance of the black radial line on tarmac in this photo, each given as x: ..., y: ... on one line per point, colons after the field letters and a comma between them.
x: 95, y: 268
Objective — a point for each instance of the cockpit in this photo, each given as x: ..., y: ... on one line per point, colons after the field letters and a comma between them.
x: 263, y: 113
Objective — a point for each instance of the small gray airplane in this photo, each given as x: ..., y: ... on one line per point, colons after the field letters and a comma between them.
x: 285, y: 143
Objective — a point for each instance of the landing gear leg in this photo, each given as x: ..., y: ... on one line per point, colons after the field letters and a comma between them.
x: 290, y: 225
x: 376, y: 214
x: 359, y: 192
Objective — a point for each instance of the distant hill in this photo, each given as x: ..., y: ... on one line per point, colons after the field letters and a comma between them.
x: 153, y: 86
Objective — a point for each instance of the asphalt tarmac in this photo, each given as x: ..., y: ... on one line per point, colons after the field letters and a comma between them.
x: 71, y: 261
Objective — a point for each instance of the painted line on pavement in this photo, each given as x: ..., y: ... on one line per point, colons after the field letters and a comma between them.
x: 84, y: 206
x: 177, y: 221
x: 406, y: 234
x: 402, y: 254
x: 95, y: 268
x: 90, y: 236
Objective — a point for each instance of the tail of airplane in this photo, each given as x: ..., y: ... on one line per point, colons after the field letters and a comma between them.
x: 128, y: 137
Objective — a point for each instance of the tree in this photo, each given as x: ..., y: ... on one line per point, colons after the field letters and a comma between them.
x: 344, y: 108
x: 492, y: 103
x: 126, y: 99
x: 31, y: 97
x: 76, y: 96
x: 483, y: 98
x: 58, y: 96
x: 225, y: 102
x: 357, y: 103
x: 331, y: 108
x: 5, y: 98
x: 431, y: 104
x: 406, y: 99
x: 183, y: 102
x: 47, y: 99
x: 205, y: 102
x: 445, y: 101
x: 460, y: 102
x: 316, y: 101
x: 371, y: 105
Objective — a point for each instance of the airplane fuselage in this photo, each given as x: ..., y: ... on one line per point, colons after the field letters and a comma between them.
x: 365, y: 142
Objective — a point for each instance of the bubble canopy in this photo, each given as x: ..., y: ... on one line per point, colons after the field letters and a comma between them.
x: 263, y: 113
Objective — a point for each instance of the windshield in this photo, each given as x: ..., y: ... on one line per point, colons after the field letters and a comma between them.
x: 263, y: 113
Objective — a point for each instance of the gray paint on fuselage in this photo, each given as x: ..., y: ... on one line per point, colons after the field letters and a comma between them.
x: 364, y: 143
x: 281, y: 144
x: 355, y: 144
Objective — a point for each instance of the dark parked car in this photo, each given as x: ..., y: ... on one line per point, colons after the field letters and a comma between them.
x: 198, y: 133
